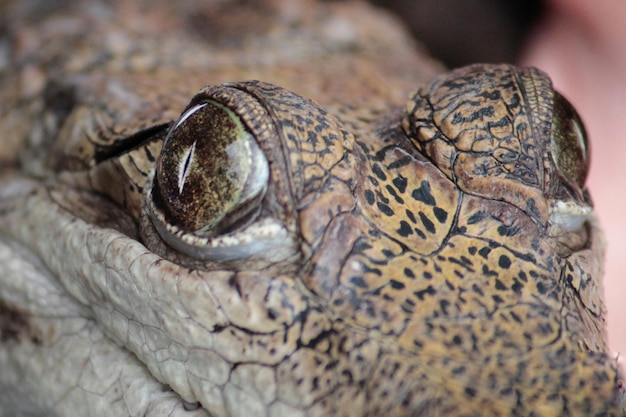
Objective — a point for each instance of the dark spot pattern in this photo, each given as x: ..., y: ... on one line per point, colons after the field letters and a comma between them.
x: 423, y: 194
x: 473, y: 253
x: 420, y: 278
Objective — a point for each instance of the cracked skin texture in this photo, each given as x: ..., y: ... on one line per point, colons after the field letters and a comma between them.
x: 410, y: 262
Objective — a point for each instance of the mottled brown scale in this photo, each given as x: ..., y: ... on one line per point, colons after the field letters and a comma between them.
x: 478, y: 128
x: 436, y: 257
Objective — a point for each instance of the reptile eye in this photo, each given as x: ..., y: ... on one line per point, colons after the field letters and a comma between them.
x: 211, y: 173
x: 570, y: 150
x: 209, y: 182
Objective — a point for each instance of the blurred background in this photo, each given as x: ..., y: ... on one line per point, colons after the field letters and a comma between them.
x: 582, y: 46
x: 462, y: 32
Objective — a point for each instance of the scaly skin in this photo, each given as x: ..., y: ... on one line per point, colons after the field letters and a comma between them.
x: 357, y: 255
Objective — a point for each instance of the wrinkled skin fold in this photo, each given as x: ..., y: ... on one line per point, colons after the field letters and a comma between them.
x: 200, y: 217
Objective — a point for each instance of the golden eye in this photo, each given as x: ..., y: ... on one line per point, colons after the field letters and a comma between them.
x: 570, y: 150
x: 211, y: 174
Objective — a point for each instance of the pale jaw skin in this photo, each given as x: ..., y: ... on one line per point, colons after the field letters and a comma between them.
x: 149, y: 331
x: 54, y: 333
x: 39, y: 371
x: 159, y: 311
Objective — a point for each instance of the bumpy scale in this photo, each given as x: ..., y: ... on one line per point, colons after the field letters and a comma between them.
x: 263, y: 254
